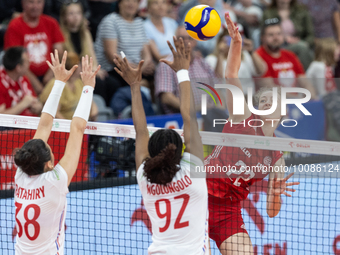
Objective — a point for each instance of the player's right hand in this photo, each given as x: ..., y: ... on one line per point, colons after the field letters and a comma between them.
x: 59, y: 70
x: 132, y: 75
x: 232, y: 29
x: 87, y: 75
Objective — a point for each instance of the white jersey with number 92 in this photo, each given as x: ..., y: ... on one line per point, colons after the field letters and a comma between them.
x: 178, y: 211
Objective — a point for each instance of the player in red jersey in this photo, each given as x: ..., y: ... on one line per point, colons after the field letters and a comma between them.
x: 227, y: 190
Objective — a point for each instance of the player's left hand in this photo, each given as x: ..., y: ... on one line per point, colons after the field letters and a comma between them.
x: 131, y: 75
x: 279, y: 187
x: 59, y: 70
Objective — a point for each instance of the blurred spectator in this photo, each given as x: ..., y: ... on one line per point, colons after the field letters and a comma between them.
x: 283, y: 67
x: 321, y: 70
x: 78, y: 38
x: 251, y: 65
x: 166, y: 84
x: 39, y: 34
x: 121, y: 101
x: 16, y: 91
x: 297, y: 27
x: 99, y: 9
x: 71, y: 93
x: 205, y: 47
x: 122, y: 31
x: 9, y: 9
x: 249, y: 15
x: 326, y: 18
x: 159, y: 29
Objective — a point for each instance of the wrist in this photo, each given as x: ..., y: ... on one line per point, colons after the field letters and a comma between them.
x: 182, y: 75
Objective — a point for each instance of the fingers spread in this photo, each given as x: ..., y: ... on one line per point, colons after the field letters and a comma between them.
x: 140, y: 65
x: 83, y: 64
x: 171, y: 48
x: 52, y: 58
x: 97, y: 70
x: 56, y: 56
x: 292, y: 183
x: 49, y: 64
x: 73, y: 69
x: 285, y: 193
x: 118, y: 71
x: 287, y: 177
x: 63, y: 61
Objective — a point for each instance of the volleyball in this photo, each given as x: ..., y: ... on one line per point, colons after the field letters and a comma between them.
x: 202, y: 22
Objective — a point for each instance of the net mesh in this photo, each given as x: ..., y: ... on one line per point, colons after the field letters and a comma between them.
x: 106, y: 215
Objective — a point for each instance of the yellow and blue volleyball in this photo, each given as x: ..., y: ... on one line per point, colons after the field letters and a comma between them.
x: 202, y: 22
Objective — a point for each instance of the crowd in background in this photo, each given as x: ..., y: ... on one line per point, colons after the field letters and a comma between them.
x: 289, y: 43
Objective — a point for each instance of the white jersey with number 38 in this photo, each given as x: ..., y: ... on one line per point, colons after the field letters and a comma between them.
x: 40, y: 210
x: 178, y: 211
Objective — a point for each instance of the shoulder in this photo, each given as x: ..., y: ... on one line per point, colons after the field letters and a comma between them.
x: 288, y: 53
x: 15, y: 23
x: 262, y: 52
x: 317, y: 65
x: 112, y: 17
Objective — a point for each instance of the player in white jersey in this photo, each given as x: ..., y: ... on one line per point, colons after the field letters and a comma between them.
x: 41, y: 187
x: 175, y: 201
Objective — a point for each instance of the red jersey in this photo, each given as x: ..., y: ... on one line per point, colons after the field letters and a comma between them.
x: 238, y: 168
x: 38, y: 41
x: 12, y: 92
x: 284, y: 69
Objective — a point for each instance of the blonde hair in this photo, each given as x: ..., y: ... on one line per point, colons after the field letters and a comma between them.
x: 85, y: 35
x: 324, y: 51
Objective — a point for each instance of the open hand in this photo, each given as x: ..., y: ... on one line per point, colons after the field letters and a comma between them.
x: 181, y: 55
x: 59, y: 70
x: 232, y: 29
x: 279, y: 187
x: 87, y: 75
x: 132, y: 75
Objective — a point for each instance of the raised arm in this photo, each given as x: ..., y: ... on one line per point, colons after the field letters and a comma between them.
x: 78, y: 124
x: 180, y: 64
x: 133, y: 76
x: 51, y: 106
x: 276, y: 186
x: 232, y: 68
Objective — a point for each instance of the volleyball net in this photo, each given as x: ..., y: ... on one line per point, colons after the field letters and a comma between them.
x: 106, y: 214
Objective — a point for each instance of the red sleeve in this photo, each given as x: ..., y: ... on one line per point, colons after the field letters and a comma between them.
x: 13, y: 36
x: 57, y: 34
x: 298, y: 68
